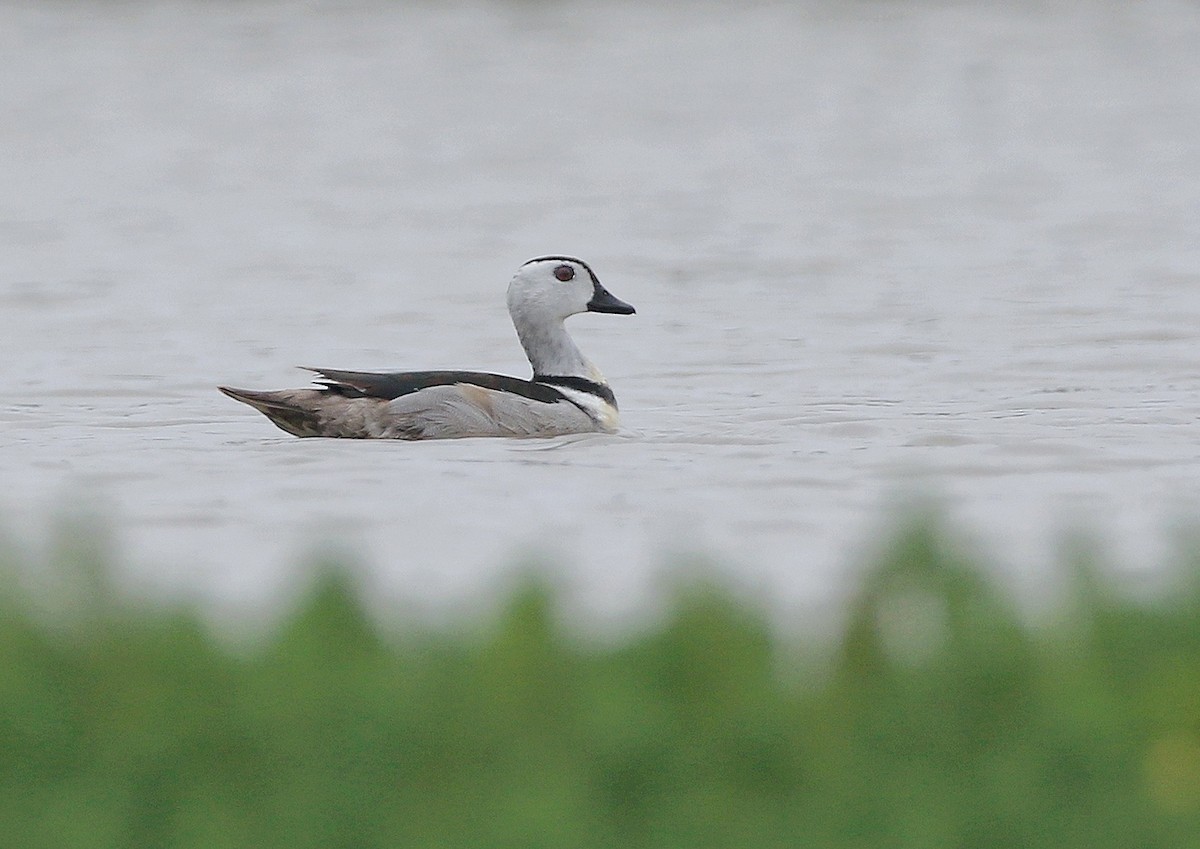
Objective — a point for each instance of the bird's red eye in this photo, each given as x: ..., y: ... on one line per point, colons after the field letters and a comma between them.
x: 564, y: 273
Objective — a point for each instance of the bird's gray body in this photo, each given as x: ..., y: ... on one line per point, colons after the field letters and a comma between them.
x: 566, y: 395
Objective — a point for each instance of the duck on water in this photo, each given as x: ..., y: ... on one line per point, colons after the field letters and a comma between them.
x: 567, y: 394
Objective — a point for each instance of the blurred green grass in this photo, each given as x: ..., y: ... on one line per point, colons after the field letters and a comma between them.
x: 939, y: 716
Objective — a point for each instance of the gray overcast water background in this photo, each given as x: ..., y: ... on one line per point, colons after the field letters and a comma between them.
x: 877, y: 249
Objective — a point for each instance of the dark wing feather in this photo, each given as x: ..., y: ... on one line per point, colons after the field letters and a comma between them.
x: 366, y: 384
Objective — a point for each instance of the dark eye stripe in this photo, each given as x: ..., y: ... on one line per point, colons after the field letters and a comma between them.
x: 564, y: 273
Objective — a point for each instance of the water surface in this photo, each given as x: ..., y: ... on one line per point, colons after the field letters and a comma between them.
x: 876, y: 249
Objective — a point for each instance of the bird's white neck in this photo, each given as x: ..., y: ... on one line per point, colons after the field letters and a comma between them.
x: 551, y: 350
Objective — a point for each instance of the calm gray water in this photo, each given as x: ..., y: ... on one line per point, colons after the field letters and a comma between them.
x: 877, y: 249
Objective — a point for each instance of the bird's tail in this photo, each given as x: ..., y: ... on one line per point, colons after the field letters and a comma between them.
x: 286, y: 408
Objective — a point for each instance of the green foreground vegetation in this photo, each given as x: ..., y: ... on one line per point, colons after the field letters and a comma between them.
x: 939, y: 716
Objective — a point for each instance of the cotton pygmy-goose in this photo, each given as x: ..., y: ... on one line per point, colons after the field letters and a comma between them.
x: 566, y: 395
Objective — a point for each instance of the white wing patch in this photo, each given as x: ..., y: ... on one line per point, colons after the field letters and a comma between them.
x: 597, y: 408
